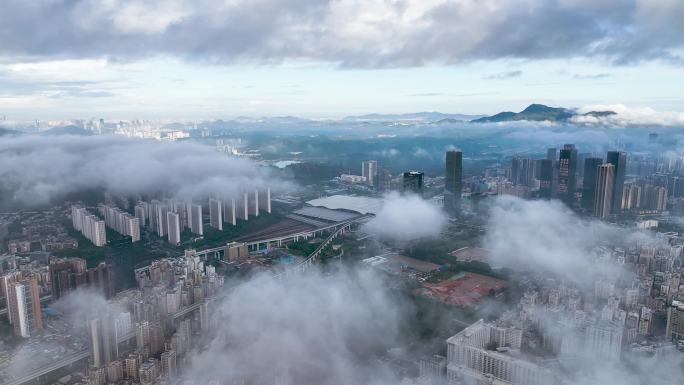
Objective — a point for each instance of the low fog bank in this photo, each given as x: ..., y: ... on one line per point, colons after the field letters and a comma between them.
x: 312, y: 328
x: 404, y: 218
x: 546, y: 236
x: 36, y: 169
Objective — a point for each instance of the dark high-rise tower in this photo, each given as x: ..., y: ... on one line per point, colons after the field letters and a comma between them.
x: 413, y: 182
x: 567, y: 174
x: 454, y: 171
x: 604, y: 190
x: 619, y: 161
x: 545, y: 178
x: 551, y: 154
x: 453, y: 183
x: 589, y: 183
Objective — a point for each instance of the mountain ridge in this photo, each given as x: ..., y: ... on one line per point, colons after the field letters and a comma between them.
x: 539, y: 112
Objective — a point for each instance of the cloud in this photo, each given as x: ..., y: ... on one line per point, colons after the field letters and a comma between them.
x: 347, y: 32
x: 546, y: 236
x: 504, y: 75
x: 312, y: 328
x: 405, y: 218
x: 39, y: 168
x: 630, y: 116
x: 592, y: 76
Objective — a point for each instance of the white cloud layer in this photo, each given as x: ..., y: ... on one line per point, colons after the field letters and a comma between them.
x: 546, y: 236
x: 311, y: 329
x: 405, y: 218
x: 38, y: 168
x: 630, y: 116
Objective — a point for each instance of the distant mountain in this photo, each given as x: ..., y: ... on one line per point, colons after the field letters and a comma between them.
x: 436, y: 117
x: 600, y: 114
x: 68, y: 130
x: 534, y: 112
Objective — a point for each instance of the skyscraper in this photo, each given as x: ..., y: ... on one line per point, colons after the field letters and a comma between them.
x: 103, y: 341
x: 196, y: 225
x: 567, y: 174
x: 168, y: 364
x: 551, y: 154
x: 173, y: 231
x: 369, y: 169
x: 384, y: 180
x: 254, y: 203
x: 619, y: 161
x: 89, y: 225
x: 589, y: 182
x: 604, y: 190
x: 265, y: 200
x: 216, y: 214
x: 23, y: 306
x: 162, y: 218
x: 545, y: 178
x: 453, y: 183
x: 229, y: 211
x: 413, y: 182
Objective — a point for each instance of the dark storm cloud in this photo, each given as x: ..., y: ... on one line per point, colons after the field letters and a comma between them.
x: 351, y: 34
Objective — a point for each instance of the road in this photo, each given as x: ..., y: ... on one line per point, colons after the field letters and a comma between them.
x: 66, y: 361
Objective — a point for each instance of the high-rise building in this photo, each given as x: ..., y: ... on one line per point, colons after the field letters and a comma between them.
x: 196, y: 225
x: 470, y: 354
x: 522, y: 171
x: 114, y: 372
x: 142, y: 335
x: 23, y: 306
x: 229, y: 211
x: 242, y: 206
x: 413, y: 182
x: 604, y: 190
x: 131, y: 365
x: 453, y: 182
x: 545, y: 178
x: 168, y: 364
x: 254, y: 203
x: 567, y: 174
x: 173, y: 231
x: 68, y: 274
x: 103, y: 341
x: 216, y: 214
x: 162, y: 218
x: 265, y: 200
x: 141, y: 213
x: 89, y: 225
x: 369, y: 170
x: 384, y: 180
x: 551, y: 154
x: 675, y: 321
x: 619, y: 161
x: 591, y: 166
x: 121, y: 221
x: 148, y: 372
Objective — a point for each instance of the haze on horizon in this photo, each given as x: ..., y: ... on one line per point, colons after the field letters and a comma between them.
x: 207, y: 59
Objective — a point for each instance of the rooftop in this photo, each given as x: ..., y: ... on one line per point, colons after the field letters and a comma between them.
x: 359, y: 204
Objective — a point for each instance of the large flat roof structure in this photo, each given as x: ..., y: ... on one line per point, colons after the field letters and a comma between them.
x: 360, y: 204
x: 326, y: 214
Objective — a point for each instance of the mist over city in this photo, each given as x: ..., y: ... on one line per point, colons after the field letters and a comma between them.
x: 315, y: 192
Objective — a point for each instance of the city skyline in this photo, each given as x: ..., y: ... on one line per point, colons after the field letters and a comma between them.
x: 342, y: 192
